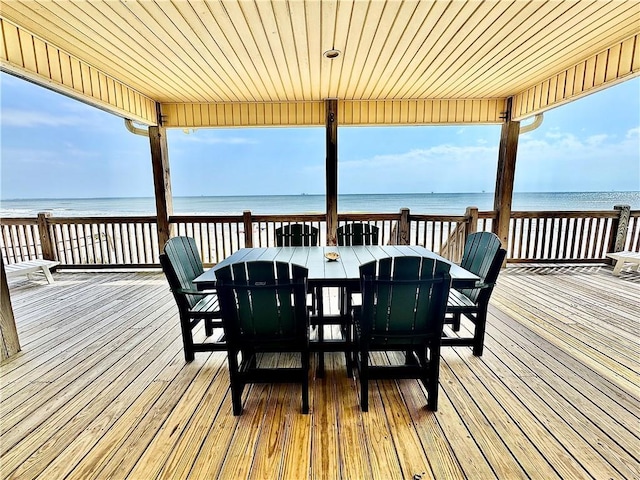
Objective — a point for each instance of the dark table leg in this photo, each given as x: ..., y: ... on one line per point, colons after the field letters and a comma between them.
x: 320, y: 313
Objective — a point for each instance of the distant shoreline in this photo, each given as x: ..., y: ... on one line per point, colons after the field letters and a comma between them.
x: 318, y: 195
x: 423, y: 203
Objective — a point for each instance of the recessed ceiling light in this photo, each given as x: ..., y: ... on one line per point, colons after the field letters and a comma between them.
x: 331, y: 54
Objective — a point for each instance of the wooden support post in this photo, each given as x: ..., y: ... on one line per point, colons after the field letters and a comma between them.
x: 471, y: 225
x: 9, y: 342
x: 619, y: 228
x: 161, y: 181
x: 505, y: 176
x: 332, y: 170
x: 248, y: 228
x: 404, y: 227
x: 45, y: 236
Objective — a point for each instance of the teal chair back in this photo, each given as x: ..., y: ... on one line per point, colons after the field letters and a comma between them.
x: 181, y: 264
x: 403, y: 299
x: 296, y: 235
x: 263, y: 303
x: 357, y: 234
x: 483, y: 255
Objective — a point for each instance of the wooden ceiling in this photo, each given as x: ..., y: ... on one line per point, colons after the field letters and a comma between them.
x: 260, y: 62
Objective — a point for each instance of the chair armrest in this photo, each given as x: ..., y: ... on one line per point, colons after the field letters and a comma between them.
x: 188, y: 291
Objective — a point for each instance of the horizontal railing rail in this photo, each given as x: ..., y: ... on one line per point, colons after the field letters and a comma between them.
x: 263, y: 227
x: 217, y: 236
x: 560, y: 236
x: 104, y: 241
x: 438, y: 233
x: 20, y: 239
x: 387, y: 224
x: 128, y: 241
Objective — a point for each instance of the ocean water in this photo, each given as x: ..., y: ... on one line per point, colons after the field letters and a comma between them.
x: 426, y: 203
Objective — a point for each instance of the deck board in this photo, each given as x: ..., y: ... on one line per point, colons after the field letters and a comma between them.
x: 101, y: 390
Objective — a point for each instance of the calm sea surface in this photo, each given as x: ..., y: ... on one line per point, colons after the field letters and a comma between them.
x: 436, y: 203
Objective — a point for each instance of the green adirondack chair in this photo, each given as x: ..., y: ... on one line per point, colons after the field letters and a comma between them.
x: 483, y: 255
x: 264, y: 309
x: 353, y: 234
x: 296, y: 235
x: 403, y: 306
x: 357, y: 234
x: 181, y: 263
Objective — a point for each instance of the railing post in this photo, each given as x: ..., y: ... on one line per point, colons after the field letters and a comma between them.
x: 471, y: 225
x: 619, y: 228
x: 45, y: 236
x: 403, y: 230
x: 248, y: 228
x: 9, y: 341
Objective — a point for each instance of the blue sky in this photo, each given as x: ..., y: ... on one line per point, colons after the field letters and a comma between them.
x: 56, y: 147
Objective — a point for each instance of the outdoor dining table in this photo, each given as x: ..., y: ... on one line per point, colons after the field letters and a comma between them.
x: 323, y: 273
x: 344, y: 272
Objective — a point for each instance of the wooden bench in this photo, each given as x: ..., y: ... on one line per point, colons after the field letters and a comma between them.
x: 623, y: 258
x: 31, y: 266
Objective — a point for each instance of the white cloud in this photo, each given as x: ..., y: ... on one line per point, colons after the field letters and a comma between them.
x: 439, y: 155
x: 595, y: 140
x: 563, y: 161
x: 30, y: 119
x: 441, y: 168
x: 194, y: 138
x: 547, y: 161
x: 31, y: 157
x: 66, y: 156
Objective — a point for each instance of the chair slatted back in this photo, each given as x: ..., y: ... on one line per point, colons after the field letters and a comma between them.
x: 404, y: 298
x: 263, y: 302
x: 296, y: 235
x: 181, y: 264
x: 357, y: 234
x: 483, y: 255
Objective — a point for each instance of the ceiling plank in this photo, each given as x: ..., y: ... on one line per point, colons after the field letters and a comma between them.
x: 586, y: 77
x: 73, y: 78
x: 39, y: 20
x: 428, y: 62
x: 525, y: 64
x: 352, y: 112
x: 492, y: 44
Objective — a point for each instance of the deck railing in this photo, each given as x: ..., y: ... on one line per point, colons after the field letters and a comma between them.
x: 550, y: 236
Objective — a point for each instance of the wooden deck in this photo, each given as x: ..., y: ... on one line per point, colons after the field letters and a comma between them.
x: 101, y: 390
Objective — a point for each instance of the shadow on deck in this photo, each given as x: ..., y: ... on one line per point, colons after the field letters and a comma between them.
x: 101, y: 390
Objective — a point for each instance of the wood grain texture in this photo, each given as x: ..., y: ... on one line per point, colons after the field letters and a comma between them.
x: 9, y: 341
x: 101, y: 390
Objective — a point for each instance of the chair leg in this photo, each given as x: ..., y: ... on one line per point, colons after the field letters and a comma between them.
x: 433, y: 376
x: 249, y: 358
x: 208, y: 327
x: 305, y: 381
x: 478, y: 336
x: 236, y: 383
x: 347, y: 329
x: 364, y: 380
x: 455, y: 325
x: 187, y: 339
x: 348, y: 353
x: 320, y: 314
x: 409, y: 358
